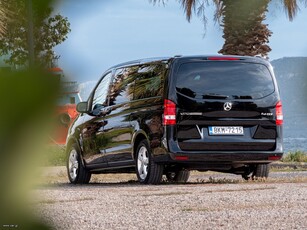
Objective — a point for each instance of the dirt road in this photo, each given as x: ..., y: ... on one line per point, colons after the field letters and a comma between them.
x: 210, y: 201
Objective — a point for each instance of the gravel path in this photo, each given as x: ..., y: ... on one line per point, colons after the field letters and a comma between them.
x: 205, y: 205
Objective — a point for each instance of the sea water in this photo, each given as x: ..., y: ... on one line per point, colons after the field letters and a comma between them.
x: 295, y: 140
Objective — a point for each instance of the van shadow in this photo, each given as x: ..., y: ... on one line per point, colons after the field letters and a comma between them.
x: 135, y: 183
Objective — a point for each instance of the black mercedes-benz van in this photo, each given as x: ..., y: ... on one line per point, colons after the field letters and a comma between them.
x: 167, y: 116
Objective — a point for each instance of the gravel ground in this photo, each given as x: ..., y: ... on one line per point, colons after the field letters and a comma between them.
x: 211, y: 201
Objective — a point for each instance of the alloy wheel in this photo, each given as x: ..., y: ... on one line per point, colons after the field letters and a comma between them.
x: 142, y: 163
x: 73, y: 164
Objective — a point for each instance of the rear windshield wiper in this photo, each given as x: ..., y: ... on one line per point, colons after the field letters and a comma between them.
x: 186, y: 91
x: 214, y: 96
x: 242, y: 97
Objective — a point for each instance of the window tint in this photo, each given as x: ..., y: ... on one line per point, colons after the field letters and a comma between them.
x: 224, y: 79
x: 149, y: 80
x: 121, y: 89
x: 101, y: 92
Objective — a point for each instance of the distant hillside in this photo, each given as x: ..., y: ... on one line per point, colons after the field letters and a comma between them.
x: 291, y: 74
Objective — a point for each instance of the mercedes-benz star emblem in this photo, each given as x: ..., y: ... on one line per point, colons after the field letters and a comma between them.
x: 227, y: 106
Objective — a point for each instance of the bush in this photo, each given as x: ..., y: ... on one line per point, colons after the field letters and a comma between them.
x: 54, y: 156
x: 297, y: 156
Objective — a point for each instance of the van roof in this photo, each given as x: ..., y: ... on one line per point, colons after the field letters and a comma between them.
x: 195, y: 57
x: 141, y: 61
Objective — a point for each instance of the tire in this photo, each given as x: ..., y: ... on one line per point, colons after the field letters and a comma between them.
x: 261, y: 171
x: 76, y: 172
x: 147, y: 171
x: 180, y: 176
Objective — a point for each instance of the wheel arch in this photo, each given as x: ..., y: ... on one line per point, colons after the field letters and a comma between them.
x: 72, y: 141
x: 137, y: 138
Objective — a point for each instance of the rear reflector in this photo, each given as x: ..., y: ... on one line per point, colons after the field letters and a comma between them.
x: 169, y: 115
x: 279, y: 114
x: 274, y: 158
x: 223, y: 58
x: 181, y: 158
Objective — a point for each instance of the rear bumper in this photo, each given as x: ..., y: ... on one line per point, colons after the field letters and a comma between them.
x: 220, y: 157
x: 175, y: 155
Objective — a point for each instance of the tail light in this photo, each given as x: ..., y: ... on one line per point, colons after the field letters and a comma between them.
x: 169, y: 115
x: 279, y: 114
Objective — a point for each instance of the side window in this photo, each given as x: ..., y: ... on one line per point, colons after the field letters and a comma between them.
x: 101, y: 92
x: 149, y: 81
x: 121, y: 89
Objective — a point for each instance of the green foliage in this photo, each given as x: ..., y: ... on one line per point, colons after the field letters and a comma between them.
x: 297, y: 156
x: 54, y: 156
x: 48, y: 31
x: 27, y: 105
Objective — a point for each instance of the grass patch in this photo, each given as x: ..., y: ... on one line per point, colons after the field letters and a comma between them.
x: 241, y: 190
x: 195, y: 209
x: 213, y: 180
x: 234, y: 207
x: 54, y: 156
x: 167, y: 194
x: 297, y: 156
x: 294, y: 168
x: 63, y: 201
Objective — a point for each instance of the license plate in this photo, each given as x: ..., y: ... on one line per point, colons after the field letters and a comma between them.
x: 226, y: 130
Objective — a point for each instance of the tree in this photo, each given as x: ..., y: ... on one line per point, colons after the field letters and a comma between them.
x: 242, y: 22
x: 244, y: 30
x: 3, y: 16
x: 48, y: 31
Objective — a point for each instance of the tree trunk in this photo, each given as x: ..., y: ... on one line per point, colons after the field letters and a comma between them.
x: 244, y: 31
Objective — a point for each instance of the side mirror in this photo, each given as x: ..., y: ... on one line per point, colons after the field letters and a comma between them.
x: 82, y: 107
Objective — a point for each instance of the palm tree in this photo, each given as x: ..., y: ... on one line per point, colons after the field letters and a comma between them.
x: 243, y: 27
x: 242, y: 22
x: 4, y: 16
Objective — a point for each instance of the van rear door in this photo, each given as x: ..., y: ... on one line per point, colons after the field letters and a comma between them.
x: 225, y: 105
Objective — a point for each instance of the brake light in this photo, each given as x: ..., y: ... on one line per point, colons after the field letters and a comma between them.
x: 169, y: 115
x: 181, y: 158
x: 274, y: 158
x: 279, y: 114
x: 223, y: 58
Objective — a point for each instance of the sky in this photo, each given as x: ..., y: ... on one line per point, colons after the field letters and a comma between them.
x: 107, y: 32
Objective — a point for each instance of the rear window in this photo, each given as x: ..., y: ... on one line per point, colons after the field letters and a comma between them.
x: 238, y: 80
